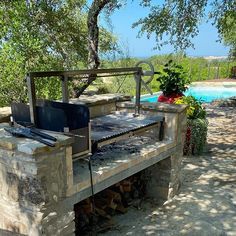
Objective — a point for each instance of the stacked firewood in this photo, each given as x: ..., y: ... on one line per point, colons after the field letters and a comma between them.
x: 94, y: 214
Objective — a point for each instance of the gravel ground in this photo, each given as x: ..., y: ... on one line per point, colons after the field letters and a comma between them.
x: 206, y: 204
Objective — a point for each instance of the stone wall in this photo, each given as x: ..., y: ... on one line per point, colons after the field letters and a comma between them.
x: 33, y: 185
x: 100, y: 105
x: 167, y: 172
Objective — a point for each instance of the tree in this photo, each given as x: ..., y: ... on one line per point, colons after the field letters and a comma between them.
x: 55, y: 28
x: 227, y: 28
x: 93, y: 37
x: 42, y: 35
x: 179, y: 19
x: 46, y: 34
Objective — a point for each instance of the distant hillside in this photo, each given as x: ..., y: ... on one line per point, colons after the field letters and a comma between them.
x: 210, y: 58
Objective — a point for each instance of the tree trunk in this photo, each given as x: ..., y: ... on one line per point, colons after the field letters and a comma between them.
x: 93, y: 39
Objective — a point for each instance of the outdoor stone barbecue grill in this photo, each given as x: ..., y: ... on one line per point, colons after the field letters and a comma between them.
x: 40, y: 185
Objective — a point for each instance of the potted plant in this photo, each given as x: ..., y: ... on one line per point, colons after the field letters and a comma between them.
x: 173, y: 82
x: 197, y: 124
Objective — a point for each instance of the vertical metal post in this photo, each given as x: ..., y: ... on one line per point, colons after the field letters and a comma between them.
x: 227, y: 73
x: 138, y: 92
x: 215, y: 72
x: 162, y: 125
x: 218, y: 71
x: 190, y: 69
x: 64, y: 86
x: 199, y: 71
x: 32, y: 98
x: 209, y: 70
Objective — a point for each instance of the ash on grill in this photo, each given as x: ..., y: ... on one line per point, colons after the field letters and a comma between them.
x: 94, y: 215
x: 129, y: 146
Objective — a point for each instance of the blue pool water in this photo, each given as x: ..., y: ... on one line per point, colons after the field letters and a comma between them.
x: 204, y: 94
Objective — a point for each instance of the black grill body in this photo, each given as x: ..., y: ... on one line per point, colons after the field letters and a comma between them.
x: 59, y: 116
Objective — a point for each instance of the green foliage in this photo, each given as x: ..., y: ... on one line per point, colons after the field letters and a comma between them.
x: 195, y: 109
x: 176, y: 22
x: 197, y: 69
x: 196, y: 125
x: 178, y: 19
x: 173, y: 79
x: 39, y: 28
x: 197, y: 140
x: 227, y: 26
x: 12, y: 86
x: 42, y: 35
x: 102, y: 89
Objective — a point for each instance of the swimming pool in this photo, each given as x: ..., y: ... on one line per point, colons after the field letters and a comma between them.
x: 204, y: 94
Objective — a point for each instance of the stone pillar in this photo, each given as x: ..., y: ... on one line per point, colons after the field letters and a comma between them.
x: 159, y: 180
x: 34, y: 180
x: 165, y: 179
x: 5, y: 113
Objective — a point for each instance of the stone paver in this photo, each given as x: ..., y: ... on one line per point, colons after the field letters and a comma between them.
x: 206, y: 204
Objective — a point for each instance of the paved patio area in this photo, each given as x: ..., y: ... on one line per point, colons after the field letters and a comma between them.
x: 206, y: 204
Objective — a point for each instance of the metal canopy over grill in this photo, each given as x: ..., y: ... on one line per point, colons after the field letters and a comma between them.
x: 65, y: 76
x: 73, y: 119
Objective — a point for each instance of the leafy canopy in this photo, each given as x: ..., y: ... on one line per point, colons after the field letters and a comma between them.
x: 42, y: 35
x: 228, y: 31
x: 46, y: 34
x: 179, y: 19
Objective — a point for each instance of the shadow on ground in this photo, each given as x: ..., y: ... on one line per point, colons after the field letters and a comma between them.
x: 206, y: 204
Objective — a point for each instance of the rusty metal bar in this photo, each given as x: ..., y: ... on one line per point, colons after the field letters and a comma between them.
x: 82, y: 72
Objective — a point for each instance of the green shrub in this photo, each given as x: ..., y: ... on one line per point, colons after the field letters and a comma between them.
x: 102, y: 89
x: 197, y: 124
x: 196, y: 141
x: 173, y: 79
x: 195, y: 109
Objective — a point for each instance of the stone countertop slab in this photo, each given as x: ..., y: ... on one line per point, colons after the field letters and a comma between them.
x: 92, y: 100
x: 113, y: 160
x: 5, y: 113
x: 157, y: 106
x: 30, y: 146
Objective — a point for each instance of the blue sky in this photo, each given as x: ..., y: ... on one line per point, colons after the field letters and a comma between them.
x: 205, y: 43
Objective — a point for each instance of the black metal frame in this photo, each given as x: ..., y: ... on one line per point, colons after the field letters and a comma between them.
x: 65, y: 76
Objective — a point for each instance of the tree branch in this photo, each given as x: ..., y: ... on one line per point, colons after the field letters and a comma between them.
x: 93, y: 39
